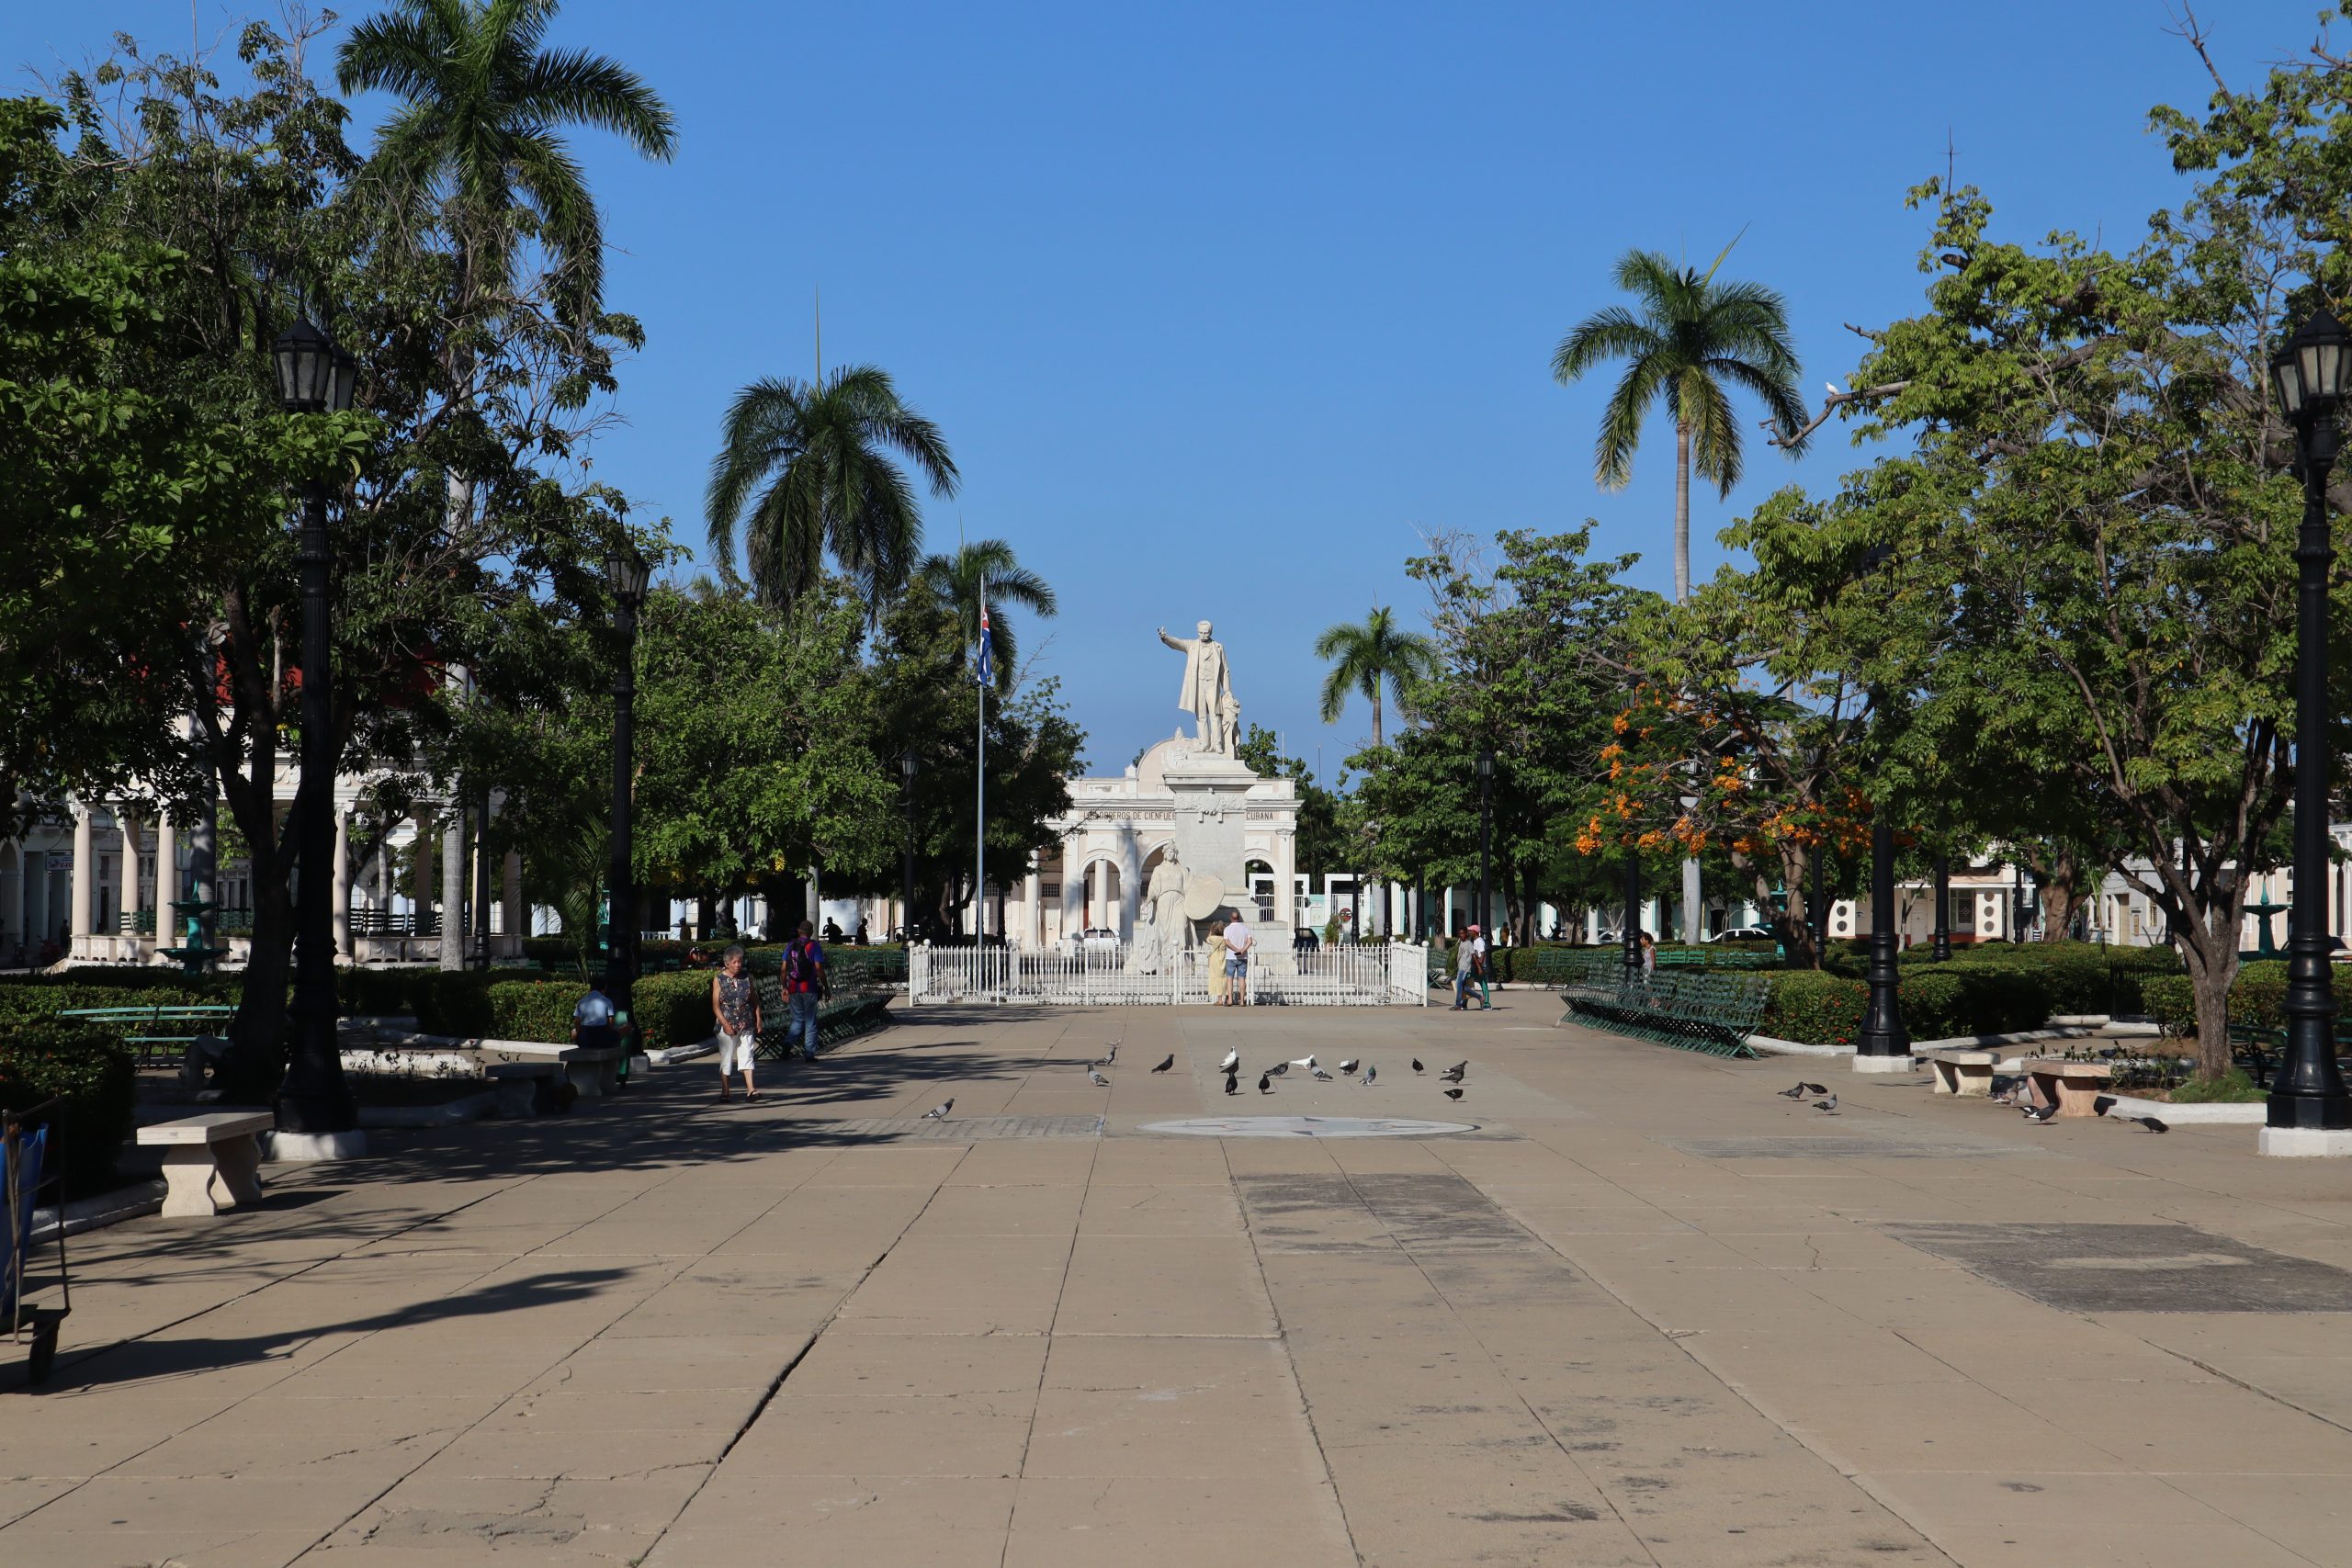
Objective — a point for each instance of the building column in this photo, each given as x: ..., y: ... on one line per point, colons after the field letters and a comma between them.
x: 1033, y: 907
x: 421, y: 850
x: 127, y: 942
x: 167, y: 869
x: 453, y: 888
x: 85, y: 865
x: 342, y: 884
x: 1285, y: 862
x: 20, y: 931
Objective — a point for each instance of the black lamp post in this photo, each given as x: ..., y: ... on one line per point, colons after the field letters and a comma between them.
x: 1633, y: 931
x: 1882, y: 1035
x: 1485, y: 834
x: 2313, y: 375
x: 909, y: 764
x: 1942, y: 949
x: 629, y: 574
x: 315, y: 377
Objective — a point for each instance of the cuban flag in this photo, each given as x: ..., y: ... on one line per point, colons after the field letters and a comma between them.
x: 988, y: 643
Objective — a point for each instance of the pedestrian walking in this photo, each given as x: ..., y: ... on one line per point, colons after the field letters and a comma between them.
x: 1213, y: 945
x: 1469, y: 965
x: 1649, y: 957
x: 1238, y: 940
x: 735, y: 1005
x: 806, y: 983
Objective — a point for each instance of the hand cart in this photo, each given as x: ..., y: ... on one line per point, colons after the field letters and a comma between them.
x: 28, y: 1151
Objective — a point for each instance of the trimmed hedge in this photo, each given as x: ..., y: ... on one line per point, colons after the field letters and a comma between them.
x: 1819, y: 1009
x: 1813, y: 1008
x: 96, y: 1079
x: 2256, y: 1000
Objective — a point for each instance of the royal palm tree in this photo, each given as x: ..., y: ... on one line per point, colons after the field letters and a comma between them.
x: 954, y: 583
x: 1365, y: 658
x: 818, y: 456
x: 474, y: 144
x: 1691, y: 342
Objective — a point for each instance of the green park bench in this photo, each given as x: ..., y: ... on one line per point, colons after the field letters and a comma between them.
x: 856, y: 1007
x: 157, y: 1024
x: 1693, y: 1010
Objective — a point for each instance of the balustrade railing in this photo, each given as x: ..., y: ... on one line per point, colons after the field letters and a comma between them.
x: 1101, y: 975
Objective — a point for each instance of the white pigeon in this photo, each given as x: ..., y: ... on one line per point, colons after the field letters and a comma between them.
x: 939, y: 1112
x: 1349, y: 1067
x: 1833, y: 388
x: 1232, y: 1060
x: 1306, y: 1061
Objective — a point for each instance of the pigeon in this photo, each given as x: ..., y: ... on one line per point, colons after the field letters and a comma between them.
x: 1233, y: 1086
x: 2042, y: 1113
x: 1348, y: 1068
x: 1108, y: 1058
x: 1322, y: 1075
x: 1278, y: 1069
x: 1232, y: 1062
x: 1416, y: 1064
x: 1817, y: 1088
x: 1453, y: 1094
x: 1097, y: 1078
x: 939, y: 1112
x: 1306, y: 1061
x: 2103, y: 1104
x: 1455, y: 1073
x: 1265, y: 1083
x: 1166, y: 1062
x: 1370, y: 1074
x: 1830, y: 1105
x: 1796, y: 1093
x: 2150, y: 1123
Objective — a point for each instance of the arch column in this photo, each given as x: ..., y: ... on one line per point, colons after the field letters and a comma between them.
x: 1286, y: 864
x: 516, y: 918
x: 167, y: 873
x: 19, y: 903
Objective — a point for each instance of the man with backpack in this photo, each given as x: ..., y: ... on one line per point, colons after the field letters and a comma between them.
x: 806, y: 983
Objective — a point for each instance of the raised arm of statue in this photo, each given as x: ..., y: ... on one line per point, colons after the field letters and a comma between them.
x: 1178, y: 644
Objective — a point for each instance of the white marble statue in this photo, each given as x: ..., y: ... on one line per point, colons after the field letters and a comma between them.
x: 1208, y: 686
x: 1160, y: 933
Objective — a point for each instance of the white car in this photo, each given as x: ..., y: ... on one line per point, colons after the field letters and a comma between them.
x: 1093, y: 939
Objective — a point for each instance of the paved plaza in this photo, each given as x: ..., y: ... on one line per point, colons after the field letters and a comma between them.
x: 1642, y: 1312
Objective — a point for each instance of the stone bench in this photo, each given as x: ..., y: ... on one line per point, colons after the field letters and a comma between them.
x: 593, y: 1069
x: 529, y: 1088
x: 1969, y: 1073
x: 211, y: 1162
x: 2073, y: 1087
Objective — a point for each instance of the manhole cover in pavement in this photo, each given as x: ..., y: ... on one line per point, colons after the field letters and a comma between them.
x: 2098, y: 1268
x: 1308, y: 1127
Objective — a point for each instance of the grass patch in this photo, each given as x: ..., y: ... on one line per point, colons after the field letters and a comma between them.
x: 2232, y: 1088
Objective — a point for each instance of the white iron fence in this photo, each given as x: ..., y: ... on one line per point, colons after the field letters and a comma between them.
x: 1369, y: 975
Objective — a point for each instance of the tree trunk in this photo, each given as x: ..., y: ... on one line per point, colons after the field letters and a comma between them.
x: 2208, y: 944
x: 1376, y: 716
x: 1681, y: 511
x: 453, y: 885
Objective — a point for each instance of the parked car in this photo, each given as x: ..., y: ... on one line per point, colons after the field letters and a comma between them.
x: 1744, y: 933
x: 1094, y: 939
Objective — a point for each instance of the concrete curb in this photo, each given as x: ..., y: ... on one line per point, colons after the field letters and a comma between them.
x: 96, y: 1213
x: 1767, y: 1043
x: 2252, y: 1113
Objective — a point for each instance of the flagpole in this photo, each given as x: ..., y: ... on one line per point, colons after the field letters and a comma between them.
x: 980, y: 821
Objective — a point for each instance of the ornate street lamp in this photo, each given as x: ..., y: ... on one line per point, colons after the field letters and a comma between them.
x: 629, y: 575
x: 314, y: 1102
x: 1631, y: 933
x: 908, y: 765
x: 1486, y: 833
x: 1942, y: 949
x: 2310, y: 1112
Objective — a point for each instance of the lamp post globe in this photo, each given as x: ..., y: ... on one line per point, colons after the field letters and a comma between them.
x: 314, y: 1100
x: 2309, y: 1110
x: 628, y: 574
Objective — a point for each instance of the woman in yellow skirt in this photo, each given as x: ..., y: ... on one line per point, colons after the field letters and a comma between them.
x: 1213, y: 955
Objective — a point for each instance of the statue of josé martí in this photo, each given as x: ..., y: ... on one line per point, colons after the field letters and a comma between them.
x: 1207, y: 693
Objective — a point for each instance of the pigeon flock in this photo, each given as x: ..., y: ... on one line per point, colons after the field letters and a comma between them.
x: 2008, y: 1094
x: 1230, y: 1069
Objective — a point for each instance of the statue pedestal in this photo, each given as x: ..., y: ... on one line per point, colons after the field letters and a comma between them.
x: 1211, y: 818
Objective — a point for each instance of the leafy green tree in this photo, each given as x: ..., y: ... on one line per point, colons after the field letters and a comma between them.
x: 804, y: 468
x: 1370, y: 657
x: 1321, y: 846
x: 1688, y: 344
x: 954, y: 583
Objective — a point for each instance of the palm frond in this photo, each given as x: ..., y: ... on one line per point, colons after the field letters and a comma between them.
x: 573, y: 86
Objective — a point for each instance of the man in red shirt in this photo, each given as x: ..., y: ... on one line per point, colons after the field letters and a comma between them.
x: 805, y: 983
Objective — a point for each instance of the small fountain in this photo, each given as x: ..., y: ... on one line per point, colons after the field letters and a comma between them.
x: 192, y: 954
x: 2264, y: 946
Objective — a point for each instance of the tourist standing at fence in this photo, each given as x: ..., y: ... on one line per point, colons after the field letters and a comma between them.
x: 735, y: 1003
x: 1238, y: 940
x: 805, y: 983
x: 1213, y: 946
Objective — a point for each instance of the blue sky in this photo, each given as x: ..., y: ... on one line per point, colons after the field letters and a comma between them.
x: 1220, y: 305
